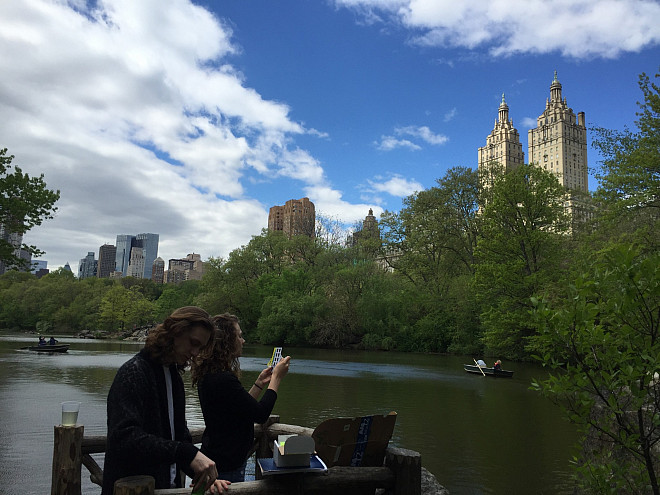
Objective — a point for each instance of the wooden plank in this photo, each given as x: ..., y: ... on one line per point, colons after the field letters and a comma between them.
x: 344, y: 480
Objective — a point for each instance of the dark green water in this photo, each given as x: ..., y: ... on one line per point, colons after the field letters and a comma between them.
x: 477, y: 435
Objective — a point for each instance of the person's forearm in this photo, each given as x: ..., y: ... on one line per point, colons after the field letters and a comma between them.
x: 255, y: 390
x: 274, y: 383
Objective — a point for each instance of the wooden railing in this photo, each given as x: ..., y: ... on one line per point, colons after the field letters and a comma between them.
x: 399, y: 475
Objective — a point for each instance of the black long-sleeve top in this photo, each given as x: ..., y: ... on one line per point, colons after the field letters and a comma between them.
x: 139, y: 436
x: 229, y: 414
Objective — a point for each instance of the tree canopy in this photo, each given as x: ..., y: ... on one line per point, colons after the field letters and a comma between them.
x: 25, y: 202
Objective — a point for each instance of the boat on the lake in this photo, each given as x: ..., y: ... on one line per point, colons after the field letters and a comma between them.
x: 479, y: 370
x: 48, y: 348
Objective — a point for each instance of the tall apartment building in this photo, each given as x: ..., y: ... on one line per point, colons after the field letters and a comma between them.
x: 369, y: 230
x: 40, y: 268
x: 15, y: 239
x: 189, y: 268
x: 559, y: 141
x: 87, y: 266
x: 136, y: 263
x: 123, y: 253
x: 147, y: 244
x: 106, y: 261
x: 296, y: 217
x: 158, y: 270
x: 502, y: 146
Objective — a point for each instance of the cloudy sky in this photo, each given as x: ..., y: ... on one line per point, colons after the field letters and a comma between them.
x: 191, y: 119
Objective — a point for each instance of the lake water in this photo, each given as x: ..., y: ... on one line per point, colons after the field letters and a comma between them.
x: 476, y: 435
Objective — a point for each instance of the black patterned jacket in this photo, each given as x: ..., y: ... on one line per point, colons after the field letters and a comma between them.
x: 139, y: 438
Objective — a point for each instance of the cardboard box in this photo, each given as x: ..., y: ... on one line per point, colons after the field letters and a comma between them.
x: 354, y: 441
x: 293, y: 450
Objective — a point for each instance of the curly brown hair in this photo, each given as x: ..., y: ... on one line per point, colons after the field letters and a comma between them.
x: 160, y: 341
x: 223, y: 354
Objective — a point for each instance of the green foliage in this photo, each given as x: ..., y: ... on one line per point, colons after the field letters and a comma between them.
x: 602, y: 343
x: 121, y: 308
x: 521, y: 252
x: 173, y: 297
x: 630, y: 173
x: 25, y: 202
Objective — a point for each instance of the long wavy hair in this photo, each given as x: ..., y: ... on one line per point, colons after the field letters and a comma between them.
x: 223, y: 355
x: 160, y: 340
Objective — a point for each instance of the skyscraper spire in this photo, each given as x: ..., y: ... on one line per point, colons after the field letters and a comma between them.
x: 503, y: 111
x: 555, y: 90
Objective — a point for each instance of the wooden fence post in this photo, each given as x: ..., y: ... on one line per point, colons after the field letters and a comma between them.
x: 135, y: 485
x: 67, y: 460
x: 407, y: 467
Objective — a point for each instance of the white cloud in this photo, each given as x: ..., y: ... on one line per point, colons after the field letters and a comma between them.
x: 450, y: 114
x: 422, y: 133
x: 576, y: 28
x: 329, y: 203
x: 389, y: 143
x: 131, y: 111
x: 528, y: 123
x: 394, y: 185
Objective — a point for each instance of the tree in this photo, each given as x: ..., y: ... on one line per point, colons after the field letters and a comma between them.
x: 434, y: 235
x: 602, y: 344
x: 629, y: 175
x: 431, y: 241
x: 521, y: 252
x: 25, y: 202
x: 630, y: 171
x: 122, y: 308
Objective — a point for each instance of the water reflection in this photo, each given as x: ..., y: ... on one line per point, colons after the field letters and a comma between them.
x: 475, y: 434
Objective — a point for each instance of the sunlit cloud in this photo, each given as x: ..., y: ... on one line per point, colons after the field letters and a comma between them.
x: 389, y: 143
x: 423, y: 133
x: 450, y: 114
x: 578, y: 29
x: 134, y: 113
x: 420, y: 133
x: 394, y: 186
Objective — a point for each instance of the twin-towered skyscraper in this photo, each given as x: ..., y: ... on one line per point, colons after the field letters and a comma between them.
x: 558, y: 142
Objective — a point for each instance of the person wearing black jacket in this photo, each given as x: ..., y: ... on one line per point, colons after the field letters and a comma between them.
x: 147, y: 430
x: 229, y: 410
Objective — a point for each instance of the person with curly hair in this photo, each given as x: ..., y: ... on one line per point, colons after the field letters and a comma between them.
x: 229, y: 410
x: 147, y: 430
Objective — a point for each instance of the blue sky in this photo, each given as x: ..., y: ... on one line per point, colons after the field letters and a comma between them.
x: 191, y: 119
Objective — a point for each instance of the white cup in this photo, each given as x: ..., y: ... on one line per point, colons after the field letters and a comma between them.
x: 70, y: 413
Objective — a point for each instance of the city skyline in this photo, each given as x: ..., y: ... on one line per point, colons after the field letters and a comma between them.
x: 192, y: 119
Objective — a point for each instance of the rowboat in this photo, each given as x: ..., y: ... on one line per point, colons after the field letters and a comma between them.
x: 48, y: 348
x: 473, y: 368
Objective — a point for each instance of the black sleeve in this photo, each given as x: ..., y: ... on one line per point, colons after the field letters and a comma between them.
x: 224, y: 390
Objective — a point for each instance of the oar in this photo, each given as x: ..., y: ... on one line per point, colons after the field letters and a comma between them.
x: 475, y: 362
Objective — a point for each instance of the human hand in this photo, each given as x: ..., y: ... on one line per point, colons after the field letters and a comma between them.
x: 205, y: 473
x: 282, y: 367
x: 264, y: 377
x: 220, y: 486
